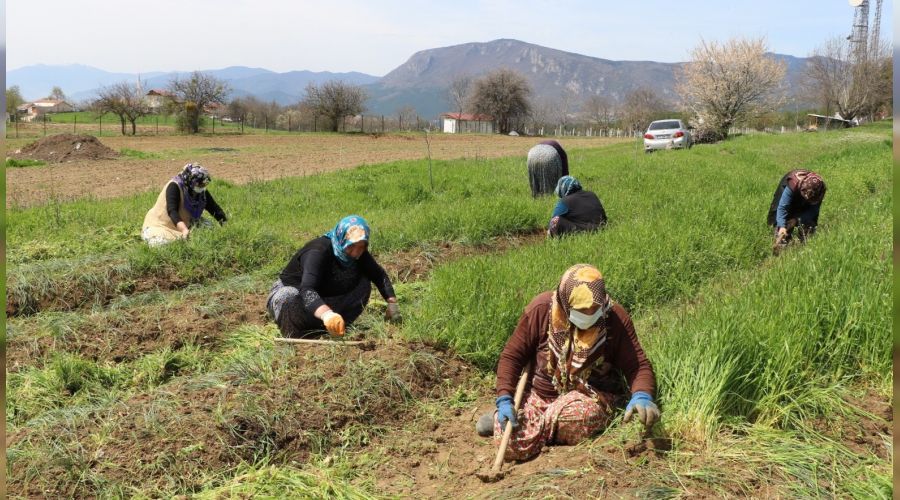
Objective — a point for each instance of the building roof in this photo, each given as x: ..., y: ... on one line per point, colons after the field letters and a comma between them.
x: 48, y: 102
x: 468, y: 117
x: 160, y: 92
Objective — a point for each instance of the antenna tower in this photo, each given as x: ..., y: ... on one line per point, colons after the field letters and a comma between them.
x: 859, y: 37
x: 876, y: 27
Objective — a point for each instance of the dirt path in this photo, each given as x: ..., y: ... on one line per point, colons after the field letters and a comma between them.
x: 242, y: 159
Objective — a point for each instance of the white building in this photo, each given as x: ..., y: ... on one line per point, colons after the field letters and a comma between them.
x: 34, y: 110
x: 455, y: 123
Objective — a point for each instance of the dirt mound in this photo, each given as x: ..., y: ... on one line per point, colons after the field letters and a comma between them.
x: 64, y: 148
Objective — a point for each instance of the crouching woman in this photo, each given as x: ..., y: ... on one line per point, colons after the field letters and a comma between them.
x: 327, y: 283
x: 579, y: 343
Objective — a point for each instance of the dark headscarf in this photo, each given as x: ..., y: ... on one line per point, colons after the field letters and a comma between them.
x: 191, y: 176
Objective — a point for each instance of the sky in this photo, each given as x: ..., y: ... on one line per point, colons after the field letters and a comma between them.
x: 375, y: 37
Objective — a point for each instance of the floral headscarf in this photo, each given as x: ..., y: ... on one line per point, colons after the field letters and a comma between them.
x: 812, y: 188
x: 581, y: 287
x: 351, y: 229
x: 567, y: 185
x: 191, y: 176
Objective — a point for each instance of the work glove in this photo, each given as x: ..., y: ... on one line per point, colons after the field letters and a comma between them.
x: 646, y: 409
x: 334, y: 323
x: 506, y: 411
x: 392, y: 313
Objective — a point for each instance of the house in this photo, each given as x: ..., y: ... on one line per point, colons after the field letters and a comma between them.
x: 454, y: 123
x: 37, y: 109
x: 157, y: 98
x: 826, y: 122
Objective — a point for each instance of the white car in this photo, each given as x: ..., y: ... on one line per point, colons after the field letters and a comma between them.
x: 667, y: 134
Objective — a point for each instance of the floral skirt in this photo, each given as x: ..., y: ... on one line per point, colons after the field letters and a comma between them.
x: 568, y: 419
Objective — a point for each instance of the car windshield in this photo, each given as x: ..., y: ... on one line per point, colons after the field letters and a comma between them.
x: 664, y: 125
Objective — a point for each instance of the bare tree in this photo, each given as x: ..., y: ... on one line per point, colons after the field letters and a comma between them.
x: 505, y: 95
x: 599, y: 110
x: 458, y: 92
x: 57, y: 94
x: 124, y: 100
x: 852, y: 86
x: 335, y: 100
x: 194, y: 94
x: 728, y: 83
x: 563, y: 107
x: 641, y: 106
x: 406, y: 116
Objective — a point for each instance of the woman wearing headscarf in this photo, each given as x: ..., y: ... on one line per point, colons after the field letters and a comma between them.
x: 327, y: 283
x: 580, y: 344
x: 547, y: 162
x: 796, y: 202
x: 179, y: 207
x: 576, y: 210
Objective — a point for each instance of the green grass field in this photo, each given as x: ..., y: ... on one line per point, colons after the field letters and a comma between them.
x: 767, y: 367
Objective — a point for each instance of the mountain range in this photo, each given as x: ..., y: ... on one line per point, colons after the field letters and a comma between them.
x: 421, y: 82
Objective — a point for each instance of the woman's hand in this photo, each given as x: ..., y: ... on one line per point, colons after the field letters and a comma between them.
x: 392, y: 313
x: 334, y: 323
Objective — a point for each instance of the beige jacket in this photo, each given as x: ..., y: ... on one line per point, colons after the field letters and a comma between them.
x: 158, y: 220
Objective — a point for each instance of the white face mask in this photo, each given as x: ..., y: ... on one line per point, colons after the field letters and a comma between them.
x: 584, y: 321
x: 198, y: 189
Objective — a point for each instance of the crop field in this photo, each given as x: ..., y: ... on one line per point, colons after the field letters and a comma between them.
x: 153, y: 372
x: 147, y: 162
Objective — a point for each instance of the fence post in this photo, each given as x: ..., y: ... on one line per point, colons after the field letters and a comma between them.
x: 157, y: 124
x: 214, y: 124
x: 362, y: 123
x: 315, y: 123
x: 45, y: 124
x: 75, y: 124
x: 266, y: 117
x: 382, y: 124
x: 242, y: 124
x: 289, y: 122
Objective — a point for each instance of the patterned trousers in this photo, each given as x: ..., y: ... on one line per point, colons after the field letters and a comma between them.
x: 569, y: 419
x: 285, y: 307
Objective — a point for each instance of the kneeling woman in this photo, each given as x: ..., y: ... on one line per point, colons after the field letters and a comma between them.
x: 579, y: 344
x: 327, y: 283
x: 179, y: 207
x: 576, y: 210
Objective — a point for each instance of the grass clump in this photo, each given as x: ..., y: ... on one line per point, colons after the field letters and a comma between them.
x: 17, y: 163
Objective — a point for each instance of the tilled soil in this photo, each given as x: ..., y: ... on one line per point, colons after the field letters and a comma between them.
x: 126, y: 335
x: 175, y: 437
x: 242, y: 159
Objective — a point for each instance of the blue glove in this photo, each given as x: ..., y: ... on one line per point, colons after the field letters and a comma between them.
x: 646, y: 409
x: 505, y: 411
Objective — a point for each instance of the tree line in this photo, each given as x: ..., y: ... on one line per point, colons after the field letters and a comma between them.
x: 735, y: 83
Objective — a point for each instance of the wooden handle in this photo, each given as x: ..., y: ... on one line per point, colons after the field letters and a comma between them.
x: 507, y: 431
x: 317, y: 341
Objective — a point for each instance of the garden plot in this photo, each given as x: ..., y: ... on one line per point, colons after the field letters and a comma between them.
x: 159, y: 390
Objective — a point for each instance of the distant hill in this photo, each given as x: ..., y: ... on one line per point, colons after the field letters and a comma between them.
x: 423, y: 79
x: 81, y: 82
x: 420, y: 82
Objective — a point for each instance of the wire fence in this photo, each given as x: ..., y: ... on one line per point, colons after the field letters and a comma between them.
x: 286, y: 123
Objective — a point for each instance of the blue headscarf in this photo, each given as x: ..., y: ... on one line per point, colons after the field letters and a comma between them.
x: 567, y: 185
x: 351, y: 229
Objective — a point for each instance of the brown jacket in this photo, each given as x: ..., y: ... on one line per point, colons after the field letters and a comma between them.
x: 529, y: 342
